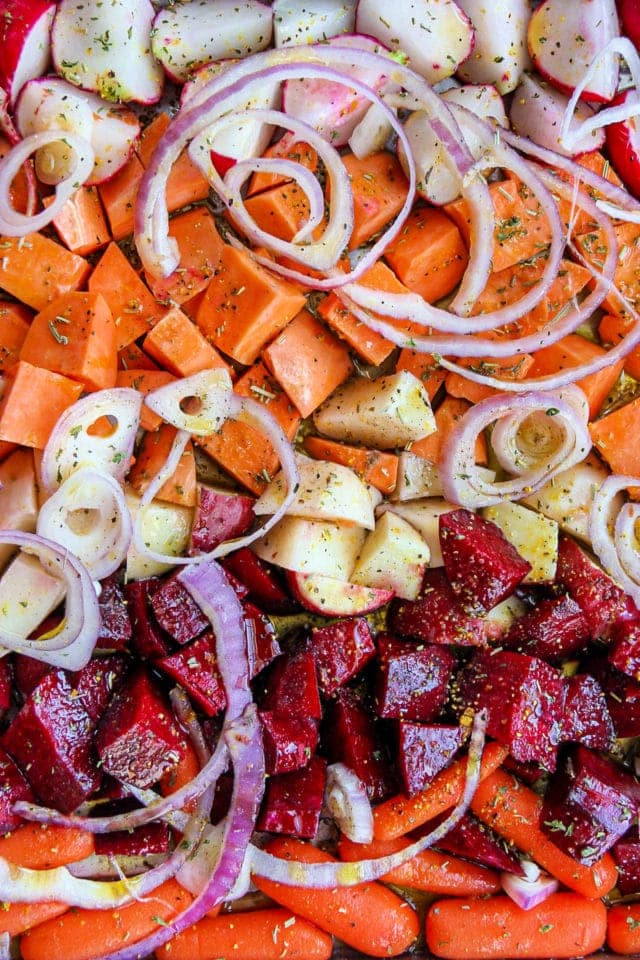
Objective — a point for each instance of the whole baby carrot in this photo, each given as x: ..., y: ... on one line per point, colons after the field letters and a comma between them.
x: 564, y: 925
x: 42, y: 847
x: 16, y: 918
x: 623, y: 928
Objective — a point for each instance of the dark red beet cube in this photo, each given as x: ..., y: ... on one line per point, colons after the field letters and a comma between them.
x: 6, y: 683
x: 195, y: 667
x: 523, y: 698
x: 147, y: 638
x: 50, y: 740
x: 115, y: 623
x: 437, y: 616
x: 292, y: 688
x: 293, y: 801
x: 137, y: 739
x: 289, y: 742
x: 586, y: 717
x: 424, y: 749
x: 220, y: 515
x: 482, y: 566
x: 600, y: 599
x: 624, y: 653
x: 413, y: 679
x: 529, y: 772
x: 626, y: 853
x: 177, y: 612
x: 352, y: 735
x: 260, y: 579
x: 341, y: 649
x: 151, y: 838
x: 622, y: 694
x: 552, y: 630
x: 589, y: 805
x: 262, y: 639
x: 28, y: 672
x: 13, y: 787
x: 95, y: 683
x: 474, y: 840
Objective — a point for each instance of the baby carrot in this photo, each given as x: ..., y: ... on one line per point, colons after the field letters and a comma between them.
x: 623, y: 928
x: 368, y: 917
x: 565, y: 925
x: 430, y: 871
x: 83, y: 934
x: 254, y: 935
x: 400, y: 814
x: 41, y: 847
x: 513, y: 810
x: 17, y: 918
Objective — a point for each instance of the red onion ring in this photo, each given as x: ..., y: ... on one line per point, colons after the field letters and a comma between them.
x: 461, y: 481
x: 613, y: 536
x: 346, y: 800
x: 71, y: 647
x: 528, y: 893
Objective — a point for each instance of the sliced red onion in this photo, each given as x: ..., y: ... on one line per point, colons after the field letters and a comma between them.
x: 195, y: 873
x: 198, y: 404
x: 71, y: 647
x: 104, y: 867
x: 612, y: 532
x: 184, y: 712
x: 5, y: 946
x: 88, y: 516
x: 346, y: 799
x: 16, y: 224
x: 462, y: 482
x: 72, y: 445
x: 528, y: 893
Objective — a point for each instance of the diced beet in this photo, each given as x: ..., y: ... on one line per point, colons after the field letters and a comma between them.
x: 341, y: 649
x: 423, y: 750
x: 177, y: 612
x: 241, y: 589
x: 195, y: 667
x: 292, y: 688
x: 222, y: 797
x: 624, y: 653
x: 28, y: 673
x: 147, y: 638
x: 483, y: 567
x: 262, y: 646
x: 289, y: 742
x: 552, y: 630
x: 600, y: 599
x: 137, y: 739
x: 626, y: 853
x: 352, y: 735
x: 13, y: 787
x: 437, y: 616
x: 413, y: 679
x: 50, y: 740
x: 219, y: 516
x: 115, y: 623
x: 622, y: 694
x: 293, y: 801
x: 151, y: 838
x: 261, y: 581
x: 586, y: 717
x: 589, y: 805
x: 474, y: 840
x: 95, y: 683
x: 529, y: 772
x: 522, y: 696
x: 6, y: 683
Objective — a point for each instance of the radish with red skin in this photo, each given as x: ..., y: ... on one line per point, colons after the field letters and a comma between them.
x: 294, y: 22
x: 25, y: 41
x: 565, y: 38
x: 500, y: 53
x: 623, y: 144
x: 188, y: 35
x: 333, y: 597
x: 435, y: 34
x: 537, y: 112
x: 629, y: 13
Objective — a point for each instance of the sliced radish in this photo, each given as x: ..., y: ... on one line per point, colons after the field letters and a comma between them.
x: 333, y: 597
x: 537, y: 112
x: 500, y: 53
x: 629, y: 12
x: 333, y: 108
x: 623, y: 144
x: 188, y: 35
x: 49, y: 103
x: 294, y: 22
x: 25, y: 42
x: 371, y: 134
x: 564, y: 38
x: 105, y: 47
x: 482, y: 99
x: 436, y: 36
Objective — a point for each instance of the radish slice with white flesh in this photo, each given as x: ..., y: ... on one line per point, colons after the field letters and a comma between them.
x: 371, y: 134
x: 294, y: 22
x: 482, y: 99
x: 436, y: 37
x: 564, y: 39
x: 500, y: 53
x: 538, y: 111
x: 334, y: 109
x: 333, y: 597
x: 52, y: 104
x: 198, y: 404
x: 188, y: 35
x: 105, y: 47
x: 25, y: 42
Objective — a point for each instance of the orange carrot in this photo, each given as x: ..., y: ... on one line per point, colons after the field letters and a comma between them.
x: 14, y: 324
x: 288, y: 148
x: 37, y: 270
x: 200, y: 246
x: 81, y: 223
x: 281, y: 211
x: 430, y: 871
x: 132, y: 357
x: 627, y: 273
x: 132, y: 305
x: 152, y: 453
x: 429, y: 255
x: 611, y: 330
x: 504, y: 368
x: 379, y: 189
x: 377, y: 467
x: 31, y: 400
x: 83, y: 934
x: 254, y: 935
x: 118, y: 197
x: 513, y: 810
x: 623, y: 928
x: 177, y: 345
x: 42, y: 847
x: 18, y: 191
x: 571, y: 351
x: 446, y: 416
x: 185, y: 183
x: 615, y: 437
x: 368, y: 917
x: 565, y: 925
x: 16, y: 918
x: 400, y: 814
x: 423, y: 366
